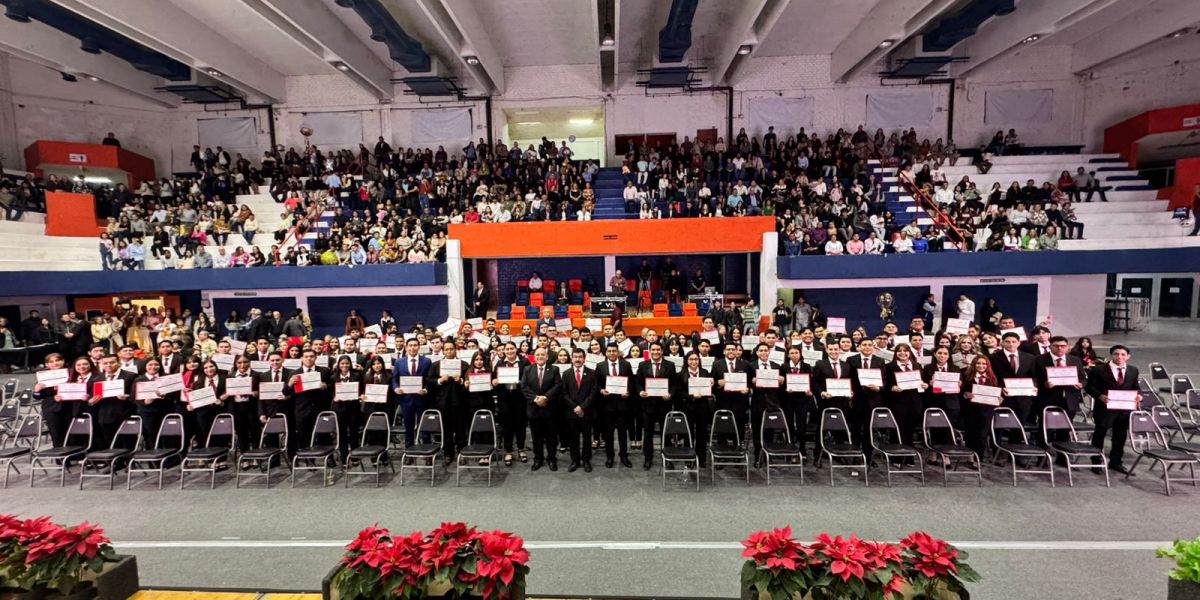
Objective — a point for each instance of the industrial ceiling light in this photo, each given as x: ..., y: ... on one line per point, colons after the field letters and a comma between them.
x: 608, y: 41
x: 213, y: 72
x: 90, y: 45
x: 68, y: 77
x: 1179, y: 34
x: 341, y: 66
x: 472, y: 60
x: 745, y: 49
x: 886, y: 43
x: 17, y: 11
x: 581, y: 121
x: 93, y: 78
x: 1031, y: 39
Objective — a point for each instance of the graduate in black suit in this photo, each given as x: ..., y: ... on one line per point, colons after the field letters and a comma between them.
x: 906, y: 405
x: 654, y: 408
x: 866, y: 397
x: 737, y: 402
x: 449, y: 393
x: 542, y: 388
x: 831, y: 367
x: 211, y: 377
x: 307, y: 401
x: 243, y: 406
x: 271, y: 406
x: 377, y: 374
x: 510, y: 401
x: 57, y: 414
x: 171, y: 362
x: 1066, y: 397
x: 764, y: 397
x: 1011, y: 363
x: 936, y: 397
x: 348, y: 412
x: 580, y: 393
x: 153, y: 410
x: 618, y: 410
x: 108, y: 413
x: 796, y: 405
x: 1116, y: 374
x: 697, y: 407
x: 977, y: 417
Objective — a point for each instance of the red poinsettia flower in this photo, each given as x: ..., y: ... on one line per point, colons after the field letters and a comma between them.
x: 86, y: 542
x: 931, y: 557
x: 846, y: 557
x: 879, y: 554
x: 895, y: 586
x: 500, y: 552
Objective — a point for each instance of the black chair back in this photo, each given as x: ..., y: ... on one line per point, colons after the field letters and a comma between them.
x: 675, y: 431
x: 724, y: 427
x: 483, y: 425
x: 1005, y: 421
x: 834, y: 427
x: 79, y: 433
x: 170, y: 433
x: 129, y: 434
x: 274, y: 432
x: 325, y: 431
x: 221, y: 434
x: 377, y: 425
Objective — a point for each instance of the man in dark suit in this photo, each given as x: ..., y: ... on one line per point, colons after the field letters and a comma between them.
x: 654, y: 408
x: 109, y: 412
x: 1117, y: 374
x: 259, y: 350
x: 260, y: 326
x: 307, y: 401
x: 764, y: 397
x: 410, y: 364
x: 736, y: 401
x: 579, y: 399
x: 1011, y: 363
x: 542, y: 387
x: 866, y: 397
x: 1039, y: 344
x: 270, y: 406
x: 479, y: 300
x: 831, y: 367
x: 618, y: 409
x: 796, y: 405
x: 809, y: 342
x: 1066, y: 397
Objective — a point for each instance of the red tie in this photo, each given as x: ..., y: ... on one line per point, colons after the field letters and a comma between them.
x: 1120, y: 376
x: 837, y: 373
x: 578, y: 378
x: 1012, y: 362
x: 413, y: 369
x: 541, y: 371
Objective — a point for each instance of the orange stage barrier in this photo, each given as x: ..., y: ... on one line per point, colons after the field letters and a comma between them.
x: 71, y: 215
x: 602, y: 238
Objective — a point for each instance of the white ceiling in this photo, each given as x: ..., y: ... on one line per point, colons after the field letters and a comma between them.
x: 531, y: 33
x: 251, y: 32
x: 809, y: 27
x: 641, y: 21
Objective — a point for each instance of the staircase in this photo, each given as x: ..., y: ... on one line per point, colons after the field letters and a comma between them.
x: 610, y: 199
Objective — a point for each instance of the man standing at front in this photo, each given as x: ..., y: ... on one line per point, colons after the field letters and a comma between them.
x: 579, y: 396
x: 1117, y: 374
x: 412, y: 400
x: 308, y: 400
x: 541, y: 386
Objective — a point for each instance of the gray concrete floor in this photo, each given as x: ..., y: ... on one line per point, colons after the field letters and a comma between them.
x: 619, y: 533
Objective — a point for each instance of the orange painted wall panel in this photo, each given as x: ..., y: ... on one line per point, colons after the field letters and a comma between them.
x: 602, y: 238
x: 71, y: 215
x: 72, y: 154
x: 1187, y: 175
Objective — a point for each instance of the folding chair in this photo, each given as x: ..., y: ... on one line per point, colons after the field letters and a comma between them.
x: 885, y: 439
x: 1180, y: 385
x: 1168, y: 423
x: 1191, y: 404
x: 168, y: 445
x: 322, y: 449
x: 725, y: 448
x: 1004, y: 422
x: 1056, y: 419
x: 429, y: 425
x: 77, y: 444
x: 272, y: 448
x: 205, y: 459
x: 677, y: 448
x: 837, y: 444
x: 1144, y: 385
x: 483, y: 425
x: 775, y: 444
x: 10, y: 388
x: 10, y: 415
x: 105, y: 463
x: 368, y: 454
x: 1159, y: 376
x: 1149, y: 442
x: 21, y: 444
x: 954, y: 452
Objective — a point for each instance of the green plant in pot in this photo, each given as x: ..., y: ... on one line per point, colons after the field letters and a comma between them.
x: 39, y: 558
x: 1184, y: 582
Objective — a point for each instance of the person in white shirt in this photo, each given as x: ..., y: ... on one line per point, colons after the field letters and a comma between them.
x: 873, y: 245
x: 902, y: 244
x: 943, y: 195
x: 221, y: 260
x: 966, y: 308
x: 834, y: 247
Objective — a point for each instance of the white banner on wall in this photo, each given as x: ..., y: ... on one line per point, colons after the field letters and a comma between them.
x: 900, y: 109
x: 787, y: 115
x: 227, y: 132
x: 436, y: 126
x: 1013, y: 108
x: 333, y: 128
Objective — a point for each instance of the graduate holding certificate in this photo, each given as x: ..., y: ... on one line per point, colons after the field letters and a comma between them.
x: 111, y: 391
x: 56, y: 413
x: 977, y: 415
x: 1115, y: 387
x: 905, y: 387
x: 1059, y: 376
x: 696, y: 385
x: 945, y: 386
x: 347, y: 388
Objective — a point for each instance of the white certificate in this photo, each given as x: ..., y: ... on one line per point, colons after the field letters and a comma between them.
x: 291, y: 363
x: 957, y: 326
x: 224, y: 362
x: 376, y: 392
x: 260, y: 366
x: 839, y: 388
x: 1020, y: 386
x: 924, y: 359
x: 508, y: 375
x: 985, y: 394
x: 238, y: 346
x: 592, y: 360
x: 563, y: 367
x: 475, y: 323
x: 707, y: 362
x: 594, y: 325
x: 886, y: 355
x: 309, y: 381
x: 658, y: 387
x: 799, y: 383
x: 776, y: 356
x: 72, y: 391
x: 713, y: 337
x: 946, y: 382
x: 1020, y: 331
x: 450, y: 367
x: 700, y: 385
x: 480, y: 382
x: 110, y: 388
x: 130, y: 368
x: 565, y: 342
x: 482, y: 339
x: 563, y: 324
x: 835, y: 325
x: 145, y: 391
x: 345, y: 391
x: 322, y: 361
x: 53, y: 377
x: 239, y: 386
x: 811, y: 356
x: 1067, y: 376
x: 870, y: 377
x: 749, y: 342
x: 201, y: 397
x: 449, y: 328
x: 270, y: 390
x: 909, y: 380
x: 766, y: 378
x: 624, y: 346
x: 735, y: 382
x: 616, y: 385
x: 411, y: 384
x: 675, y: 360
x: 170, y: 383
x: 1122, y: 400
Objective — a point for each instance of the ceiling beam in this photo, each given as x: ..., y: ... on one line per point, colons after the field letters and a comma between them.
x: 891, y: 21
x: 609, y: 55
x: 755, y: 19
x: 1002, y: 34
x: 320, y: 32
x: 163, y: 26
x: 459, y: 24
x: 1157, y: 21
x: 44, y: 45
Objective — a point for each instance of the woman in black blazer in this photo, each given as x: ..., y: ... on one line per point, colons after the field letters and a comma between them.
x: 935, y: 397
x: 57, y: 414
x: 376, y: 374
x: 153, y: 411
x: 211, y: 377
x: 977, y: 417
x: 348, y: 413
x: 904, y: 404
x: 697, y: 407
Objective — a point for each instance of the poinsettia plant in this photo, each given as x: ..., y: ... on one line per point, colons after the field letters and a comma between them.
x: 38, y: 553
x: 463, y: 559
x: 833, y: 567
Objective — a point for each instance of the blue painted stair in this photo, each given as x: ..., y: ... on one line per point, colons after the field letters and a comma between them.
x: 610, y: 200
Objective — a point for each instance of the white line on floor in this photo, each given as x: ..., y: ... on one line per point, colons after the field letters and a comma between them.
x: 614, y: 545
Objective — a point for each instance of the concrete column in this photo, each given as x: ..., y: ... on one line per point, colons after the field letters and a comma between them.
x: 455, y: 294
x: 10, y: 151
x: 610, y: 269
x: 768, y: 278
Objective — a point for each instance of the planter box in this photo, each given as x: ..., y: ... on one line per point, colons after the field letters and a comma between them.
x: 117, y: 581
x: 1182, y: 590
x: 751, y: 593
x: 328, y: 593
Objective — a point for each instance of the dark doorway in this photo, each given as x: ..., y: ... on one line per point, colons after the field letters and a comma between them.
x: 1175, y: 297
